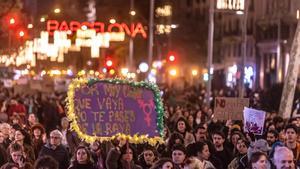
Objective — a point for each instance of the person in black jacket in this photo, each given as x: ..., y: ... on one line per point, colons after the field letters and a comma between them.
x: 82, y: 159
x: 56, y: 150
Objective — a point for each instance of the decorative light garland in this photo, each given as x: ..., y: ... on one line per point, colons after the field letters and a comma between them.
x: 136, y: 139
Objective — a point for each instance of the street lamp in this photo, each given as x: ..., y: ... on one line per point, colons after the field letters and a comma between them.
x: 132, y: 12
x: 42, y: 19
x: 57, y: 10
x: 12, y: 21
x: 194, y: 72
x: 112, y: 21
x: 30, y: 26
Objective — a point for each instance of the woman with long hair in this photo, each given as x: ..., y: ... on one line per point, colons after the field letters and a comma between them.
x: 82, y: 159
x: 184, y: 129
x: 23, y: 138
x: 127, y: 158
x: 148, y: 157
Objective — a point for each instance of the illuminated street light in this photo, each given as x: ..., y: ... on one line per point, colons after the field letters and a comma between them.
x: 112, y: 71
x: 173, y: 72
x: 21, y: 33
x: 124, y: 71
x: 239, y: 12
x: 132, y: 12
x: 57, y: 10
x: 143, y: 67
x: 42, y: 19
x: 194, y: 72
x: 112, y: 21
x: 30, y: 26
x: 173, y: 26
x: 12, y: 21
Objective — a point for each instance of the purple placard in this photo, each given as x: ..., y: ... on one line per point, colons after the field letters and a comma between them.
x: 105, y: 109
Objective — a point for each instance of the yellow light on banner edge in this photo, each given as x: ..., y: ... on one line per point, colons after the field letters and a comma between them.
x: 136, y: 139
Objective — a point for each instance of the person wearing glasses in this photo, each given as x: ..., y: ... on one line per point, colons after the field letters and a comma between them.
x: 56, y: 150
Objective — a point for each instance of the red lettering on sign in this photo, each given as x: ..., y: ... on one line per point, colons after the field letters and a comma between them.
x: 125, y: 27
x: 64, y: 26
x: 99, y: 27
x: 74, y: 26
x: 139, y: 29
x: 133, y: 30
x: 52, y: 25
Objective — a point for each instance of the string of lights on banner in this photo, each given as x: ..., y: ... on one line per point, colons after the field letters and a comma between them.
x: 87, y: 34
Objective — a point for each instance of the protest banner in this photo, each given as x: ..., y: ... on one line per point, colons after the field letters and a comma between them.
x: 254, y: 121
x: 103, y: 109
x: 229, y: 108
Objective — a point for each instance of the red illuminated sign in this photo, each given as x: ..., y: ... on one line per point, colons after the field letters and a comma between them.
x: 132, y: 30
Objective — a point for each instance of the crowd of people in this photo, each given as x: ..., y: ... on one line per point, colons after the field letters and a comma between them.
x: 35, y: 133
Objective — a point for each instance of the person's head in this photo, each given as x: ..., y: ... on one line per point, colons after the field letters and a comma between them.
x: 200, y: 133
x: 64, y: 123
x: 16, y: 119
x: 166, y: 133
x: 175, y: 138
x: 16, y: 152
x: 95, y: 146
x: 218, y: 138
x: 37, y: 130
x: 242, y: 146
x: 271, y: 126
x: 127, y: 153
x: 10, y: 166
x: 198, y: 149
x: 5, y: 128
x: 32, y: 119
x: 149, y: 155
x: 82, y: 155
x: 22, y: 136
x: 295, y: 121
x: 279, y: 122
x: 199, y: 114
x: 55, y: 137
x: 272, y: 137
x: 283, y: 158
x: 234, y: 137
x: 178, y: 153
x: 46, y: 162
x: 291, y: 132
x: 190, y: 119
x: 163, y: 163
x: 259, y: 160
x: 182, y: 125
